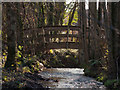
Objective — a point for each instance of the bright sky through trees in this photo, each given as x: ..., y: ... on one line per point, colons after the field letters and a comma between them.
x: 87, y: 4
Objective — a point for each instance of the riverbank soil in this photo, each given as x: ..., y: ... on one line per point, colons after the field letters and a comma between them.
x: 13, y: 79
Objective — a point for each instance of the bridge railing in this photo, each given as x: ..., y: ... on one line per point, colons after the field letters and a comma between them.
x: 55, y: 37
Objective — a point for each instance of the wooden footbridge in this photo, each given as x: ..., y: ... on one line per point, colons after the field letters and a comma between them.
x: 51, y: 37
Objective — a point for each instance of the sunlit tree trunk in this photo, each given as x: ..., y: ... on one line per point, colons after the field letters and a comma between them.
x: 72, y: 15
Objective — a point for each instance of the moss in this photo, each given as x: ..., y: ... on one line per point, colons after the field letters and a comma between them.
x: 26, y: 69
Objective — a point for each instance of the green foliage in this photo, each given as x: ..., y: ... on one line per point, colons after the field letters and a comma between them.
x: 19, y: 53
x: 94, y: 69
x: 20, y: 47
x: 5, y: 78
x: 64, y: 58
x: 75, y: 18
x: 28, y: 64
x: 112, y: 83
x: 26, y: 69
x: 101, y: 77
x: 95, y: 62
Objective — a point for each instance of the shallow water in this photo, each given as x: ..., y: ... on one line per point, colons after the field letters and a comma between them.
x: 68, y: 78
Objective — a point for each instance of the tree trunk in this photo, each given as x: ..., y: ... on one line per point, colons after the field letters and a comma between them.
x: 72, y: 15
x: 92, y: 27
x: 101, y: 13
x: 50, y: 14
x: 41, y: 17
x: 19, y: 31
x: 11, y: 38
x: 110, y: 39
x: 62, y: 13
x: 84, y: 33
x: 80, y: 52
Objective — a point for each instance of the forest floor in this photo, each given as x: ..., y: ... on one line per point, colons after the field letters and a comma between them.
x: 21, y: 80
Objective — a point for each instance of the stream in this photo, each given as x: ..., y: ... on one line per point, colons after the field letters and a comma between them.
x: 69, y: 78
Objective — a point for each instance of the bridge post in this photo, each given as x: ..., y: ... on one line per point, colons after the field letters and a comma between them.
x: 43, y: 32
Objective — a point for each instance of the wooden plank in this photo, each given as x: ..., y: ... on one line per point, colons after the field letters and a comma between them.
x: 41, y: 38
x: 32, y: 29
x: 56, y: 28
x: 71, y: 45
x: 61, y: 29
x: 35, y: 38
x: 52, y: 28
x: 61, y: 35
x: 53, y: 36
